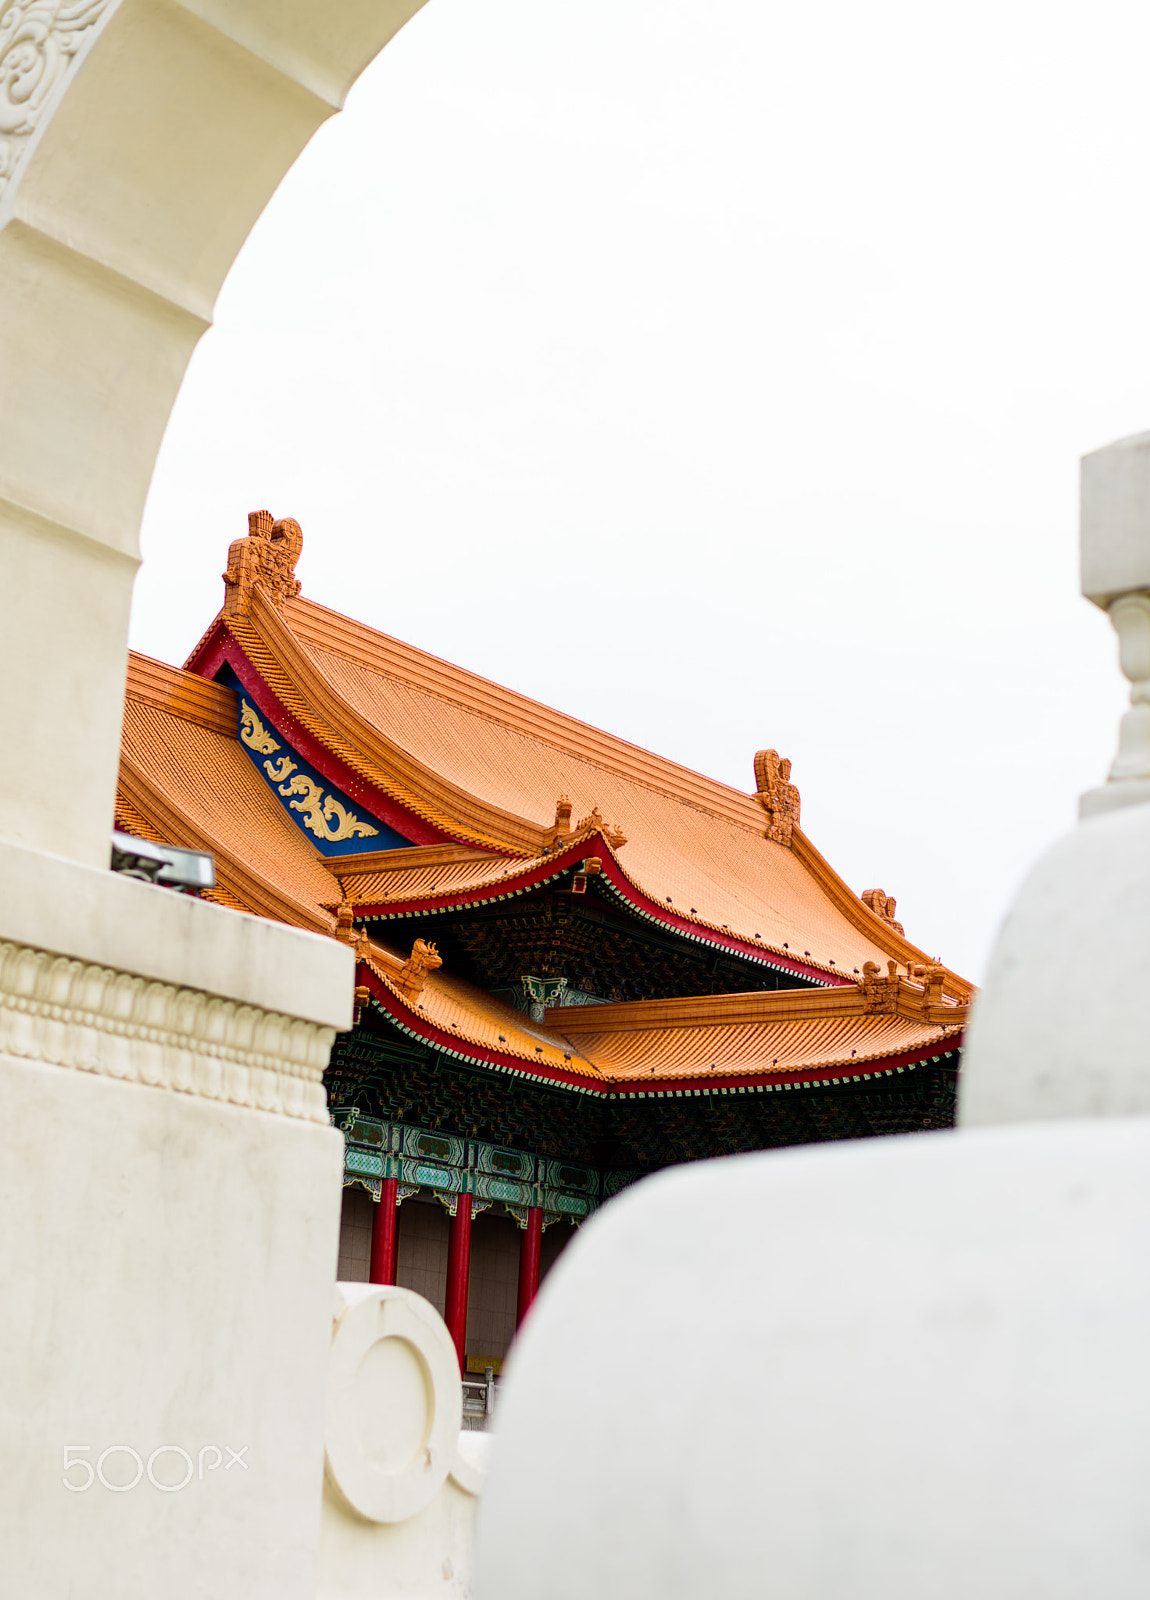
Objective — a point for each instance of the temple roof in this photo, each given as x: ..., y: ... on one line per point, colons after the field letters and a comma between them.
x: 465, y: 760
x: 711, y: 1041
x: 451, y: 792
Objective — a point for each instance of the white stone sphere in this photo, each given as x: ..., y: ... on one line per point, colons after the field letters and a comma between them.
x: 900, y: 1369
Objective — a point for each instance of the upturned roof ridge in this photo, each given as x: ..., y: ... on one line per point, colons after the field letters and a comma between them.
x: 644, y: 767
x: 766, y: 1005
x: 184, y: 694
x: 256, y: 645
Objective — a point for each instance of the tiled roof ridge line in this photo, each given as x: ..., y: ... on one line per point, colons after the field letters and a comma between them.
x: 468, y: 819
x: 734, y: 800
x: 396, y: 996
x: 947, y: 1041
x: 276, y: 685
x: 244, y: 643
x: 873, y: 927
x: 202, y: 643
x: 256, y: 895
x: 762, y: 1006
x: 156, y: 683
x: 710, y: 1010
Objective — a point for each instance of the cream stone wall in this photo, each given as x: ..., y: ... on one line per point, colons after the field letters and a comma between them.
x: 169, y: 1184
x: 139, y: 141
x: 169, y: 1188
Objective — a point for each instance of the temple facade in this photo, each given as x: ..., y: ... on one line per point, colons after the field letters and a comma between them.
x: 576, y: 962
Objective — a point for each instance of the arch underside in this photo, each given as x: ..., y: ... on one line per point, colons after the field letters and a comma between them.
x: 139, y: 143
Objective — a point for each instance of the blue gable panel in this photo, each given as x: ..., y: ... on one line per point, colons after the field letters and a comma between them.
x: 329, y: 819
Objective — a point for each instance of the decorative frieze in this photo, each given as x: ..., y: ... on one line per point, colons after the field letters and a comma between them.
x: 73, y: 1014
x: 446, y: 1165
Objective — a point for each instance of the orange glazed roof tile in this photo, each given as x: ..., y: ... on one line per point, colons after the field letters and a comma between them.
x: 486, y: 766
x: 774, y: 1035
x: 449, y: 1006
x: 185, y: 780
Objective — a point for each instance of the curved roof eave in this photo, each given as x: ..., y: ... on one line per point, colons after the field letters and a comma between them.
x: 579, y: 1073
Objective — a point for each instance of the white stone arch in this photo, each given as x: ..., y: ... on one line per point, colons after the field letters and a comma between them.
x: 139, y: 142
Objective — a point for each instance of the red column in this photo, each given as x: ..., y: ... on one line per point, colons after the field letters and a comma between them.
x: 458, y: 1274
x: 385, y: 1234
x: 529, y: 1248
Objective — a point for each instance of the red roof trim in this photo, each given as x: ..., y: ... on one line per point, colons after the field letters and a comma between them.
x: 542, y: 871
x: 226, y: 651
x: 412, y: 1022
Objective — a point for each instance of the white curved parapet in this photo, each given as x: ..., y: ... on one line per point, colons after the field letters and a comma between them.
x: 893, y: 1369
x: 401, y: 1480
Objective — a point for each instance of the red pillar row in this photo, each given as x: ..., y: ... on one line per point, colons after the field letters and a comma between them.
x: 530, y: 1247
x: 458, y: 1274
x: 385, y: 1234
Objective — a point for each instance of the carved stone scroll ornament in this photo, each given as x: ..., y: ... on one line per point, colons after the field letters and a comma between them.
x: 883, y: 905
x: 40, y: 43
x: 267, y: 559
x: 777, y: 795
x: 94, y: 1019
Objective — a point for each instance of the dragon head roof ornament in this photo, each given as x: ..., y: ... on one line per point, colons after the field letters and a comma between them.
x: 884, y: 906
x: 562, y: 832
x: 777, y: 795
x: 267, y: 558
x: 424, y: 958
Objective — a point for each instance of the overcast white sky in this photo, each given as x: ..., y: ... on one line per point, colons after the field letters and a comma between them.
x: 718, y: 375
